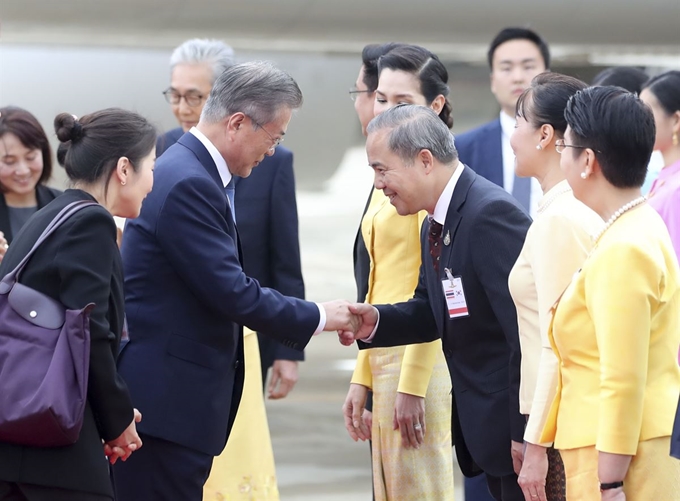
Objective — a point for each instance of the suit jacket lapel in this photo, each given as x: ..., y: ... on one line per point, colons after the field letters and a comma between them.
x: 493, y: 153
x: 190, y: 141
x: 448, y: 256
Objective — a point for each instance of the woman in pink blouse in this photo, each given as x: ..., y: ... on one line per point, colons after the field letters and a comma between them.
x: 662, y: 94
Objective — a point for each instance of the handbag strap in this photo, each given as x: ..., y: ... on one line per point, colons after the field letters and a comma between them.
x: 10, y: 279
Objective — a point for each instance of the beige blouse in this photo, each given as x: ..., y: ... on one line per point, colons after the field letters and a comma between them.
x: 556, y: 245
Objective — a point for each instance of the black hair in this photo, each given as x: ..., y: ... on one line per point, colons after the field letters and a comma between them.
x: 626, y: 77
x: 666, y: 89
x: 92, y: 145
x: 543, y: 102
x: 21, y: 123
x: 618, y: 126
x: 430, y: 71
x: 508, y: 34
x: 369, y: 59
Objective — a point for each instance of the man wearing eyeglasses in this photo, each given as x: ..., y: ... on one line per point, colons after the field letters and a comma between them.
x: 266, y: 207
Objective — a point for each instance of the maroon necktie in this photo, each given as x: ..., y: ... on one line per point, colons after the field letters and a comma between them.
x: 435, y: 240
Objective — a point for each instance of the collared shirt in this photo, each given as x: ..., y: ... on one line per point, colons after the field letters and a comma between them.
x: 219, y: 160
x: 442, y: 207
x: 226, y: 176
x: 507, y: 128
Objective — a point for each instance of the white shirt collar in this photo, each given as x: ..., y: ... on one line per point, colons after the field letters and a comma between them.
x: 507, y: 124
x: 442, y: 207
x: 219, y: 160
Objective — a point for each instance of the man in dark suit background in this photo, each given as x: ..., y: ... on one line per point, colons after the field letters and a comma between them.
x: 187, y: 296
x: 266, y: 207
x: 474, y: 235
x: 515, y: 56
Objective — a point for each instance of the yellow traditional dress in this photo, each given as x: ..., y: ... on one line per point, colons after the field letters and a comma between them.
x: 616, y: 332
x: 393, y: 244
x: 245, y: 469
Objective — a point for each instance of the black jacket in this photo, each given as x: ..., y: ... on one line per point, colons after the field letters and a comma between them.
x: 43, y: 193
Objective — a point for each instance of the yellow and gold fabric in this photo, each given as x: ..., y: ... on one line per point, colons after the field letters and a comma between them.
x: 393, y: 244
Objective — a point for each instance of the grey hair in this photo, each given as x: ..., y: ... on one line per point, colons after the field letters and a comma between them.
x: 415, y: 128
x: 257, y: 89
x: 202, y: 50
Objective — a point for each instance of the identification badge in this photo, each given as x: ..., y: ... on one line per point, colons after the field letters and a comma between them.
x: 455, y: 295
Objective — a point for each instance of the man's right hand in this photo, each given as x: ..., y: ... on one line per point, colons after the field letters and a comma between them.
x: 338, y: 316
x: 367, y: 316
x: 353, y: 411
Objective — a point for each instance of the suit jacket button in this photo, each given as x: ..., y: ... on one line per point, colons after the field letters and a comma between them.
x: 237, y: 364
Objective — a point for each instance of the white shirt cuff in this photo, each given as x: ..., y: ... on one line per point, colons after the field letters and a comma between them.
x: 375, y: 329
x: 322, y: 320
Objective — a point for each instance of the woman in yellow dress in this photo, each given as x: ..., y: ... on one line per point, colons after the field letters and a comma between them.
x: 556, y: 245
x: 245, y: 469
x: 411, y: 420
x: 616, y: 328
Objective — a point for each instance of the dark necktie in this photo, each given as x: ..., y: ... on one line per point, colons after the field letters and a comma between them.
x: 435, y: 240
x: 230, y: 190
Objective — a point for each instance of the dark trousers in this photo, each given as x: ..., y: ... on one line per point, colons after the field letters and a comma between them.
x: 10, y: 491
x: 505, y: 488
x: 161, y: 471
x: 477, y: 489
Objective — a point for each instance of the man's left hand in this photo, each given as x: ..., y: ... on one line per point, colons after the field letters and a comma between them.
x: 283, y: 378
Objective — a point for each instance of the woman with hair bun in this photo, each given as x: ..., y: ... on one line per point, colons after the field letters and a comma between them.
x: 108, y: 157
x: 25, y: 167
x: 411, y: 419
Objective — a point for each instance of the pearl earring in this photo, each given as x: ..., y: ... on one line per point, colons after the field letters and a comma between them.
x: 584, y: 175
x: 539, y: 147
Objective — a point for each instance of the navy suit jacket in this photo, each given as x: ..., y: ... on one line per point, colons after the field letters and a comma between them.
x: 487, y: 228
x: 267, y: 219
x: 482, y: 150
x: 186, y: 298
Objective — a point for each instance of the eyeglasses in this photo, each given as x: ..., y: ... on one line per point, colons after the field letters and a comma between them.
x: 354, y: 91
x: 560, y: 146
x: 276, y: 141
x: 192, y: 99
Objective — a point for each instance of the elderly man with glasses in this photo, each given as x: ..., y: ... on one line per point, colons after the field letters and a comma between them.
x: 266, y: 207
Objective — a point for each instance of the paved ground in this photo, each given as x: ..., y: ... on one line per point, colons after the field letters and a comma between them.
x: 315, y: 458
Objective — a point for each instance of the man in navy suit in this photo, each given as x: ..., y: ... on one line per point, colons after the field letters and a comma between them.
x: 516, y: 56
x: 471, y: 241
x: 266, y: 207
x: 187, y: 295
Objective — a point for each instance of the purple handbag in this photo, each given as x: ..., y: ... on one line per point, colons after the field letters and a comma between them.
x: 44, y: 359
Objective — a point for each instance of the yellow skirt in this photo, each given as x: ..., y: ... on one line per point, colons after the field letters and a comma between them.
x: 245, y: 469
x: 401, y: 474
x: 652, y: 476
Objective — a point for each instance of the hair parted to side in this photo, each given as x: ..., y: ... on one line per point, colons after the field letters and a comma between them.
x: 369, y: 59
x: 618, y: 126
x: 216, y: 53
x: 21, y: 123
x: 415, y: 128
x: 627, y: 77
x: 430, y: 71
x: 257, y: 89
x: 513, y: 33
x: 92, y: 145
x: 666, y: 89
x: 543, y: 102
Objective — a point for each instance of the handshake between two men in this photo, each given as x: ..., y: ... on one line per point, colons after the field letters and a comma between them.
x: 353, y: 321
